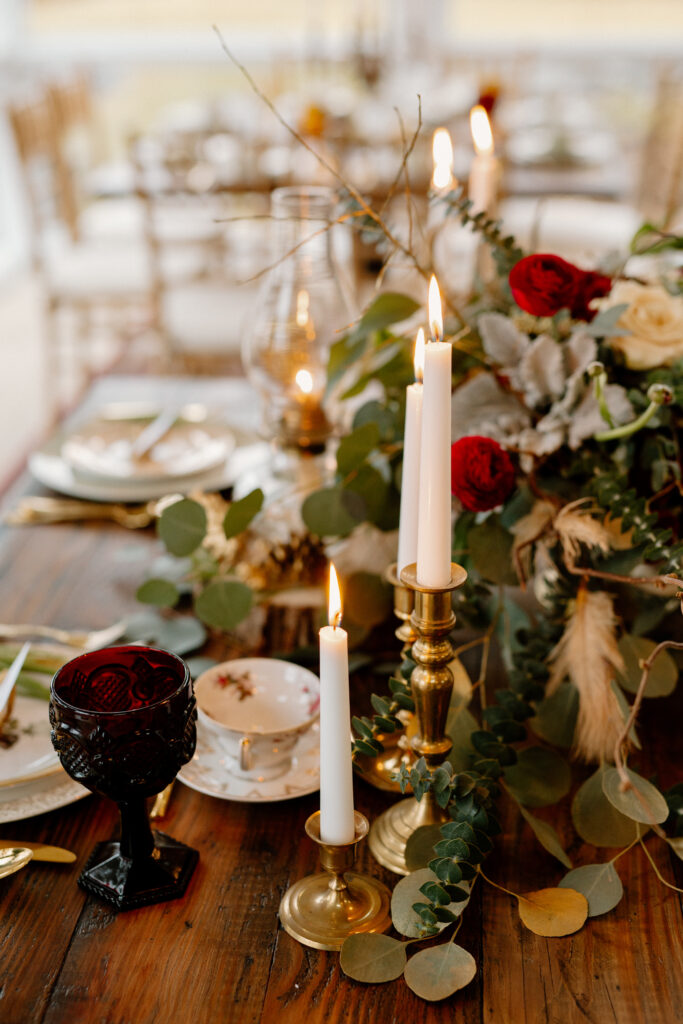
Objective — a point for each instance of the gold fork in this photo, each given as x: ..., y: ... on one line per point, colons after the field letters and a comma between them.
x: 37, y: 509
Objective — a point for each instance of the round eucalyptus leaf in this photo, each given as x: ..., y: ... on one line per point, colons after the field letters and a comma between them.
x: 355, y: 447
x: 420, y: 846
x: 489, y: 546
x: 369, y: 484
x: 332, y: 512
x: 663, y: 675
x: 555, y: 718
x: 367, y: 599
x: 406, y: 893
x: 540, y: 777
x: 182, y: 526
x: 373, y: 958
x: 241, y: 513
x: 199, y: 665
x: 642, y: 802
x: 161, y: 593
x: 224, y: 603
x: 439, y: 971
x: 179, y: 634
x: 599, y: 883
x: 460, y: 725
x: 596, y: 820
x: 547, y: 837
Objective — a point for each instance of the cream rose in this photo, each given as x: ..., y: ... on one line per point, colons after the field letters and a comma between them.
x: 655, y: 320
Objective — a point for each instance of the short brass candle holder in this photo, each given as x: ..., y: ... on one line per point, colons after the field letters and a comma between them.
x: 432, y: 685
x: 378, y: 771
x: 323, y: 910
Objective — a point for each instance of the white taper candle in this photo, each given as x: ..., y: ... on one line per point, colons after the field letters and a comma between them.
x: 410, y: 476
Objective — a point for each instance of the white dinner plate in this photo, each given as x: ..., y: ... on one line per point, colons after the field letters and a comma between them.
x: 206, y: 773
x: 41, y: 796
x: 32, y: 755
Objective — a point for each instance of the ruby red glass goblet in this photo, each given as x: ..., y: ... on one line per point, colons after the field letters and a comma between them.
x: 123, y: 723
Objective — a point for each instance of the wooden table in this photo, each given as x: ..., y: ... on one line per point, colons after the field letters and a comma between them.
x: 218, y: 955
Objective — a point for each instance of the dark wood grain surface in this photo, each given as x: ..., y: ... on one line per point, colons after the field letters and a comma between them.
x: 219, y: 955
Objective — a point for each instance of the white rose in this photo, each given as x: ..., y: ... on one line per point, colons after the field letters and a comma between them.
x: 655, y: 320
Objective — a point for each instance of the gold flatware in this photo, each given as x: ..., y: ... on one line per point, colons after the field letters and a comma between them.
x: 14, y: 859
x: 160, y: 805
x: 91, y: 641
x: 53, y: 854
x: 38, y: 509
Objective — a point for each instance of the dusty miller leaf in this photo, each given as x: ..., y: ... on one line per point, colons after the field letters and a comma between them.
x: 599, y: 883
x: 438, y: 972
x: 596, y: 820
x: 373, y: 958
x: 501, y: 340
x: 643, y: 802
x: 553, y: 911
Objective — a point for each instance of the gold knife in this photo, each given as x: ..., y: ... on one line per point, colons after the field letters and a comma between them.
x: 54, y: 854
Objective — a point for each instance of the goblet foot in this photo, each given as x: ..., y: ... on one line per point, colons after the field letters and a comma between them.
x: 127, y: 884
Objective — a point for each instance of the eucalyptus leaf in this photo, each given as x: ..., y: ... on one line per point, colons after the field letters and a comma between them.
x: 224, y: 603
x: 198, y: 666
x: 642, y: 802
x: 241, y: 513
x: 599, y: 883
x: 367, y: 599
x: 540, y: 777
x: 406, y: 893
x: 369, y: 484
x: 596, y: 820
x: 179, y: 634
x: 182, y: 526
x: 547, y: 837
x: 161, y: 593
x: 460, y: 725
x: 332, y: 512
x: 387, y: 309
x: 420, y: 846
x: 676, y: 844
x: 553, y: 911
x: 663, y: 675
x: 372, y: 958
x: 490, y: 547
x: 439, y: 971
x: 376, y: 412
x: 355, y: 447
x: 555, y: 718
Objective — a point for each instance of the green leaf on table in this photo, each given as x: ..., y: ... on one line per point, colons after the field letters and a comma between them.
x: 553, y: 912
x: 224, y: 603
x: 332, y: 512
x: 663, y: 675
x: 625, y: 709
x: 182, y: 526
x: 599, y: 883
x: 161, y: 593
x: 489, y: 546
x: 596, y: 820
x: 372, y: 958
x: 355, y: 447
x: 555, y: 718
x: 168, y: 567
x: 179, y: 634
x: 547, y: 837
x: 387, y: 309
x: 641, y: 802
x: 540, y: 777
x: 420, y: 846
x: 439, y: 971
x: 460, y: 725
x: 367, y: 599
x: 241, y: 513
x: 369, y: 484
x: 406, y: 893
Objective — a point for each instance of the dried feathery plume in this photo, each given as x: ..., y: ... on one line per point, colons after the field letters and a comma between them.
x: 529, y: 529
x: 576, y: 526
x: 587, y: 654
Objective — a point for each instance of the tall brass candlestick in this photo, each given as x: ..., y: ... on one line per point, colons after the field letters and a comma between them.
x: 432, y: 684
x: 378, y: 771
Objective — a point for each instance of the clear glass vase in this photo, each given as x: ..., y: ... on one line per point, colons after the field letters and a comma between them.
x: 302, y: 307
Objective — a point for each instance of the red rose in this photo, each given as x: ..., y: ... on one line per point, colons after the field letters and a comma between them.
x: 482, y: 473
x: 544, y: 284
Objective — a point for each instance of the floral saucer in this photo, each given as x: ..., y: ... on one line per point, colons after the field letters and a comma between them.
x: 206, y: 772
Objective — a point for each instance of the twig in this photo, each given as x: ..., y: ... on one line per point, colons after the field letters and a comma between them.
x: 656, y: 870
x: 636, y: 581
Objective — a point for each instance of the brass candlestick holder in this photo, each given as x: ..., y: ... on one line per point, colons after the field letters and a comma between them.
x: 378, y: 771
x: 323, y: 910
x: 432, y: 683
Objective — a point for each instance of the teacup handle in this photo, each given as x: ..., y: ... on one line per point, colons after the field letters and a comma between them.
x: 245, y: 754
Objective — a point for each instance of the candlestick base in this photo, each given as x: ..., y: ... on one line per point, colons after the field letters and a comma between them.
x: 323, y: 910
x: 432, y: 685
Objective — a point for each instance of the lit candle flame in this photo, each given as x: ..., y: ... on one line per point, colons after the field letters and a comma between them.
x: 442, y: 152
x: 435, y: 315
x: 334, y: 601
x: 480, y: 126
x: 304, y: 381
x: 419, y: 356
x: 302, y: 303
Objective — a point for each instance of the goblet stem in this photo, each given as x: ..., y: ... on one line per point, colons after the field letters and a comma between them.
x: 137, y: 841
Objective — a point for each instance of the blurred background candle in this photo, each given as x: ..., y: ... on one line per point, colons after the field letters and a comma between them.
x: 434, y: 515
x: 410, y: 479
x: 442, y: 154
x: 336, y: 773
x: 485, y: 169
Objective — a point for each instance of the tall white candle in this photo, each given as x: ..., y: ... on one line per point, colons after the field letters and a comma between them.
x: 410, y: 479
x: 434, y: 515
x: 485, y: 169
x: 336, y: 771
